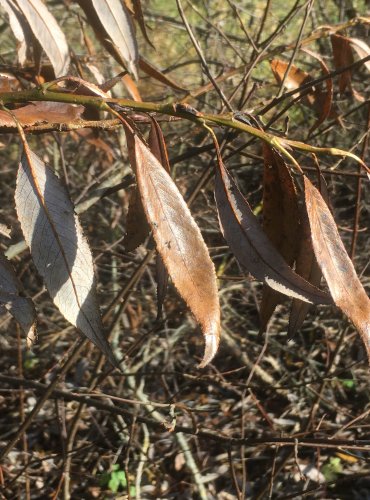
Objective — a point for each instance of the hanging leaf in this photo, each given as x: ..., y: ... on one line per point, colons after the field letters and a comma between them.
x: 38, y: 112
x: 280, y: 221
x: 252, y: 247
x: 295, y: 78
x: 18, y: 28
x: 180, y: 244
x: 158, y: 75
x: 139, y: 16
x: 343, y: 56
x: 47, y: 32
x: 114, y: 28
x: 337, y: 268
x: 137, y: 227
x: 59, y: 250
x: 306, y: 265
x: 361, y: 48
x: 322, y: 101
x: 158, y: 147
x: 319, y: 101
x: 21, y: 308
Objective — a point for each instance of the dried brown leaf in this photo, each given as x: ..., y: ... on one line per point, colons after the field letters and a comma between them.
x: 158, y: 147
x: 343, y: 56
x: 280, y: 221
x: 113, y: 26
x: 58, y: 247
x: 322, y: 101
x: 155, y: 73
x: 252, y: 247
x: 337, y: 268
x: 39, y: 112
x: 295, y: 78
x: 306, y: 265
x: 361, y: 48
x: 180, y: 244
x: 137, y: 227
x: 48, y: 33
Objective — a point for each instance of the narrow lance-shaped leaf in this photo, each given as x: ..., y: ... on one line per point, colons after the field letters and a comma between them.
x: 158, y: 147
x: 361, y: 48
x: 343, y: 56
x: 337, y: 268
x: 48, y: 33
x: 180, y: 244
x: 280, y: 221
x: 17, y: 28
x: 59, y: 250
x: 110, y: 17
x: 251, y: 246
x: 306, y: 265
x: 21, y: 308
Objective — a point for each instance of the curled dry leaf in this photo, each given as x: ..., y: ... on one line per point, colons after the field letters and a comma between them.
x: 58, y: 247
x: 337, y: 268
x: 295, y: 78
x: 21, y: 308
x: 180, y: 244
x: 320, y: 101
x: 46, y: 30
x: 113, y: 26
x: 251, y: 246
x: 280, y: 220
x: 38, y: 112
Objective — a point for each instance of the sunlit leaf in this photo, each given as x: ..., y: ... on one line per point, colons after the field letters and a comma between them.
x: 294, y: 79
x: 48, y: 33
x: 21, y: 308
x: 337, y: 268
x: 113, y: 25
x: 318, y: 100
x: 252, y: 247
x: 361, y: 48
x: 180, y: 244
x: 59, y: 250
x: 18, y: 28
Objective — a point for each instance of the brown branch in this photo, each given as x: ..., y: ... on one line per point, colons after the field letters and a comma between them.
x: 355, y: 444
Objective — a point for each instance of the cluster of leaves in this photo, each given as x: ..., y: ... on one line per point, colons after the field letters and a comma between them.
x: 61, y: 253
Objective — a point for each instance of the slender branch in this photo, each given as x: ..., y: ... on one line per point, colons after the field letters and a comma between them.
x: 216, y: 435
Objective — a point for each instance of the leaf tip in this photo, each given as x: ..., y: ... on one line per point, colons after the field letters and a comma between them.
x: 211, y: 341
